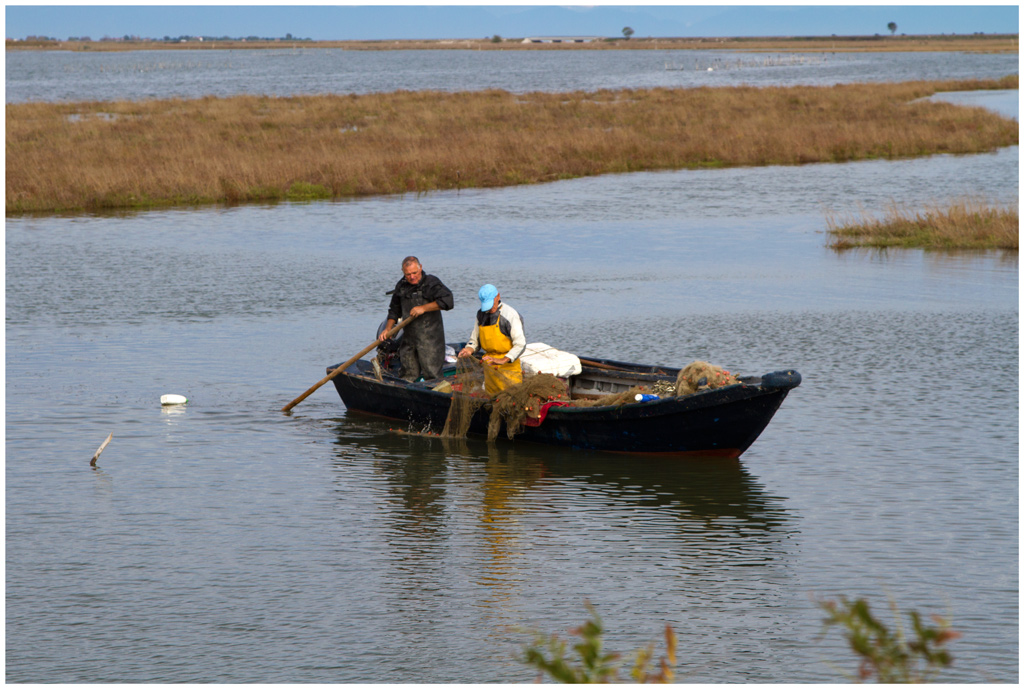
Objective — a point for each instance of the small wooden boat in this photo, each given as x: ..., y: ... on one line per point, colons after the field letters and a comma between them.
x: 723, y: 421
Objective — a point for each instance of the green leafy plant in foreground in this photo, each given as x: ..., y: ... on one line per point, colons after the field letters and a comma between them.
x: 549, y: 655
x: 887, y: 656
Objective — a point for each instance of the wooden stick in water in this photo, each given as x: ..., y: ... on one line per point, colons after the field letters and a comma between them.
x: 102, y: 447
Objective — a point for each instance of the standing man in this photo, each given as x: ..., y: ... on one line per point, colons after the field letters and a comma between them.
x: 418, y: 294
x: 499, y: 333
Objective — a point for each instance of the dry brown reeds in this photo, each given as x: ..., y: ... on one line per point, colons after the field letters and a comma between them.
x: 968, y: 223
x: 115, y: 155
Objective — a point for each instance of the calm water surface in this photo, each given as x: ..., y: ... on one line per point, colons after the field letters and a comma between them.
x: 54, y: 75
x: 227, y: 542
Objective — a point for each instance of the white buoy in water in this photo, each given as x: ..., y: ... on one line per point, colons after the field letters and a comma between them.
x: 172, y: 399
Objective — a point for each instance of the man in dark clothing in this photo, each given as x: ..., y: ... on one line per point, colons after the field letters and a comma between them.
x: 418, y: 294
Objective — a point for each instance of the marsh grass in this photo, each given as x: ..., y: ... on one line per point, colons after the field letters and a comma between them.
x: 121, y: 155
x: 969, y: 223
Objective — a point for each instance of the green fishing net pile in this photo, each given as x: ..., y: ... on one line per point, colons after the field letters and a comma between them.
x: 514, y: 404
x: 517, y: 402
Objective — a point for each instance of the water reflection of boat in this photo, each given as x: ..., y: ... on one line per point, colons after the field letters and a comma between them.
x: 722, y: 422
x: 713, y: 509
x: 501, y: 523
x: 418, y: 472
x: 705, y: 489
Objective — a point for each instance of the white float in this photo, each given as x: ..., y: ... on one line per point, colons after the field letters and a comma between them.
x: 172, y: 399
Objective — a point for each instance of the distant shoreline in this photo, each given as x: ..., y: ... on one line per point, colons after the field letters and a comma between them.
x: 984, y: 43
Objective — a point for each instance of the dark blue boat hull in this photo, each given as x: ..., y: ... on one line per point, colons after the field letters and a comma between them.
x: 723, y: 422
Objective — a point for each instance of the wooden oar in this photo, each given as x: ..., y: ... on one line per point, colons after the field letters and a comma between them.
x: 599, y: 364
x: 345, y: 365
x: 610, y: 367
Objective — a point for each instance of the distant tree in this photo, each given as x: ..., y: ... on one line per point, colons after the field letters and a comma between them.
x: 892, y: 28
x: 495, y: 38
x: 627, y: 32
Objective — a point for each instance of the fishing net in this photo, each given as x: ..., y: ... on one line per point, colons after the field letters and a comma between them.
x: 514, y: 403
x: 467, y: 389
x: 615, y: 399
x: 701, y: 375
x: 517, y: 403
x: 460, y: 414
x: 663, y: 388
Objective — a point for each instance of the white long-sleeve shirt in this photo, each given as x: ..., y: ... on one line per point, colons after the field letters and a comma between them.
x: 510, y: 323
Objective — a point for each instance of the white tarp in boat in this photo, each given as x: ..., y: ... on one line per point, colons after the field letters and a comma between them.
x: 541, y: 358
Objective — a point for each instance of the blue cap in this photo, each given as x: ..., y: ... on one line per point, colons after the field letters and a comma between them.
x: 487, y: 294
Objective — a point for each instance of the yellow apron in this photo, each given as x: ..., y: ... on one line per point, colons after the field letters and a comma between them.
x: 498, y: 376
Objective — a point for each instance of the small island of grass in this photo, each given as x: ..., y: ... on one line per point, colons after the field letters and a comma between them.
x: 99, y: 156
x: 969, y: 224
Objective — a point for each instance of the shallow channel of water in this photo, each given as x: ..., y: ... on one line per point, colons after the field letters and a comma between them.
x: 134, y: 75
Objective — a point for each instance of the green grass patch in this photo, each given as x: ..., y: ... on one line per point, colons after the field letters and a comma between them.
x: 967, y: 224
x: 305, y: 191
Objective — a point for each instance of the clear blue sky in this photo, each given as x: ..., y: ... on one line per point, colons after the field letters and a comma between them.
x: 341, y: 22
